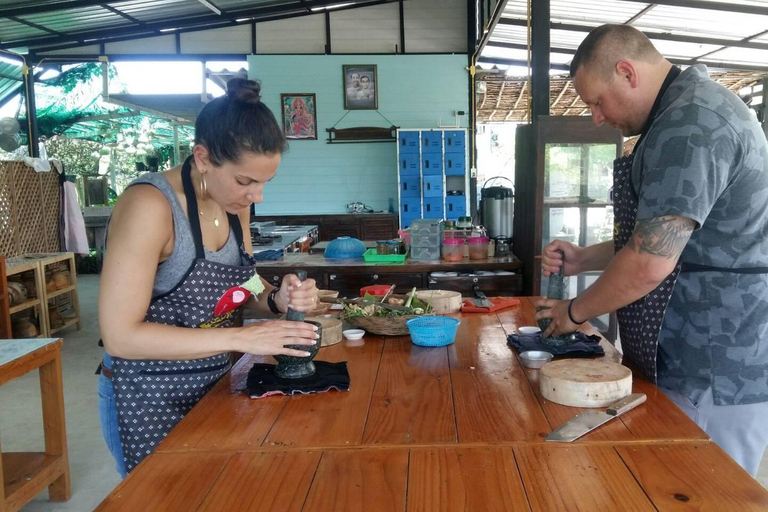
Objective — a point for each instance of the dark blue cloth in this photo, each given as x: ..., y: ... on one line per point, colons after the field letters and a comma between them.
x: 584, y: 346
x: 271, y: 254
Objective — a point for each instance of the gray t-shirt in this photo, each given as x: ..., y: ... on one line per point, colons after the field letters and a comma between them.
x: 706, y: 158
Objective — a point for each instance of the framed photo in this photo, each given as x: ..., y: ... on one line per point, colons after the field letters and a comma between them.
x: 361, y: 92
x: 299, y: 116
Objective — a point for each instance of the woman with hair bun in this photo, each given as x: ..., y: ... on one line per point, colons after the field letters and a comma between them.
x: 179, y: 266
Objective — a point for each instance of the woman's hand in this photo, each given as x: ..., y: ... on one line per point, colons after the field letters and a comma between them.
x: 269, y: 338
x: 551, y: 261
x: 296, y: 294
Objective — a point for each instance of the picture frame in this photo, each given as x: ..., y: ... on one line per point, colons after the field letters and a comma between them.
x: 299, y: 115
x: 361, y: 88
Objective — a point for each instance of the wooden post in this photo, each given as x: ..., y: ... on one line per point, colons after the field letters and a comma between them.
x: 55, y: 429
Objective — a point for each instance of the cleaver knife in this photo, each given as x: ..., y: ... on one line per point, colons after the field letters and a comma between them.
x: 589, y: 420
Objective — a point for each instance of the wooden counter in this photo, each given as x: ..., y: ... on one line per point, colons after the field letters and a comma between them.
x: 440, y: 429
x: 349, y: 275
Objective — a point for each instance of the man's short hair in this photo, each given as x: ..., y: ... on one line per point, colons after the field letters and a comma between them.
x: 606, y: 45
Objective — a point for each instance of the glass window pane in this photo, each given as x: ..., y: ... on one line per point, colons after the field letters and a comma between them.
x: 562, y: 170
x: 599, y: 225
x: 600, y: 171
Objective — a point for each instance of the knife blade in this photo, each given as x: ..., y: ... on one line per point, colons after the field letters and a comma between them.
x: 589, y: 420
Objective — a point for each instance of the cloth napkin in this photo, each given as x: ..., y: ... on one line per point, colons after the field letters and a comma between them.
x: 263, y: 382
x: 583, y: 346
x: 498, y: 303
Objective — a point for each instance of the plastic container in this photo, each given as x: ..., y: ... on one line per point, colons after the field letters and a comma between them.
x: 375, y: 289
x: 372, y: 256
x: 433, y: 331
x: 345, y: 247
x: 453, y: 249
x: 425, y: 253
x: 478, y: 247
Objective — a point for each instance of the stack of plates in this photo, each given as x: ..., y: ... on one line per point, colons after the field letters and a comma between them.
x: 444, y: 274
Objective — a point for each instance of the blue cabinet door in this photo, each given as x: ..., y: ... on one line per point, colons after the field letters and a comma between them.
x: 432, y: 164
x: 410, y: 163
x: 433, y: 208
x: 408, y: 142
x: 409, y: 186
x: 455, y: 141
x: 454, y: 164
x: 433, y: 186
x: 455, y: 207
x: 431, y: 142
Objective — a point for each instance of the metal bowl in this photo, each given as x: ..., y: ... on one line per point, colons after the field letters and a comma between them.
x: 535, y: 358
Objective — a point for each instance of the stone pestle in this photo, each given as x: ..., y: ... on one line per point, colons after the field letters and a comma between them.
x: 290, y: 367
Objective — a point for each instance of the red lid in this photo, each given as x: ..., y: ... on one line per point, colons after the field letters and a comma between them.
x: 478, y: 240
x: 375, y: 289
x: 453, y: 241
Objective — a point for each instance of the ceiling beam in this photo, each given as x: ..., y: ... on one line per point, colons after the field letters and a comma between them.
x: 520, y: 96
x: 196, y: 22
x: 122, y: 14
x: 52, y: 7
x: 562, y: 91
x: 35, y: 25
x: 516, y: 22
x: 501, y: 94
x: 516, y: 62
x: 679, y: 62
x: 640, y: 14
x: 710, y: 6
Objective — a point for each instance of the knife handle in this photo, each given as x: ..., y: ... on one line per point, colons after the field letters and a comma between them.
x: 627, y: 403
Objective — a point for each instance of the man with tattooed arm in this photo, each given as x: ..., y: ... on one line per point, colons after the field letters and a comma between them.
x: 687, y: 272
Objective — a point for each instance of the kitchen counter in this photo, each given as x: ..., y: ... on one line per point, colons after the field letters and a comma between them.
x: 494, y: 276
x: 448, y: 428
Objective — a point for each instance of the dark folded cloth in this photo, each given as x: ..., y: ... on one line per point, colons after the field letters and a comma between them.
x: 263, y: 382
x: 583, y: 346
x: 271, y: 254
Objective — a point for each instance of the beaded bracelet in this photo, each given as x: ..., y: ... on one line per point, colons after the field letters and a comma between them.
x: 271, y: 302
x: 570, y: 315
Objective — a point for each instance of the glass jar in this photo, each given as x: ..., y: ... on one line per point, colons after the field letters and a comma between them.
x: 449, y: 224
x: 502, y: 246
x: 453, y: 249
x: 464, y: 223
x: 478, y: 247
x: 382, y: 247
x: 394, y: 247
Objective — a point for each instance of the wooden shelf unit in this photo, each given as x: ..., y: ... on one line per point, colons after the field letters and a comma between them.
x: 24, y: 474
x: 19, y: 265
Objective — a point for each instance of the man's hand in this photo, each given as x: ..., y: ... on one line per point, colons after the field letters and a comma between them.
x: 557, y: 310
x: 551, y: 261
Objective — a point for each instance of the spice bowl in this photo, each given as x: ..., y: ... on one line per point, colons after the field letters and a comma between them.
x: 353, y: 334
x: 535, y: 358
x: 528, y: 329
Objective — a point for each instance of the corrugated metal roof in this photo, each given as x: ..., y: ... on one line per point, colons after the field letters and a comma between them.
x: 683, y: 34
x: 39, y: 26
x: 10, y: 79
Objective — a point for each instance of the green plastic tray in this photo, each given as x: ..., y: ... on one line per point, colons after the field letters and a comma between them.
x: 372, y: 255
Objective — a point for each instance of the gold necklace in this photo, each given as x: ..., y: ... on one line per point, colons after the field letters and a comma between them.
x: 215, y: 218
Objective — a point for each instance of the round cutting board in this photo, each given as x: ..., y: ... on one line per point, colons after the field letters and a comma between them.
x: 443, y: 301
x: 585, y: 382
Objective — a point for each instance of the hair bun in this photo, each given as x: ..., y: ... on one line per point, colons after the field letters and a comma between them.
x: 244, y: 91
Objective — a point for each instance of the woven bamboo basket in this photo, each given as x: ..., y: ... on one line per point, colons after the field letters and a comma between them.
x: 385, y: 326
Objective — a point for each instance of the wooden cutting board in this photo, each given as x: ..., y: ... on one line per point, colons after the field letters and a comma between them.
x: 444, y: 302
x: 585, y: 382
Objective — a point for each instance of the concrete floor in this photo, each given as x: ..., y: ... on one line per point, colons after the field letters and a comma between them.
x: 92, y: 468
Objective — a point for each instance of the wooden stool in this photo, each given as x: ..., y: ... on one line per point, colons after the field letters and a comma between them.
x: 26, y: 474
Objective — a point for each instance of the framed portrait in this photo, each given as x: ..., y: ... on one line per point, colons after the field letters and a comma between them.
x: 299, y: 116
x: 361, y: 92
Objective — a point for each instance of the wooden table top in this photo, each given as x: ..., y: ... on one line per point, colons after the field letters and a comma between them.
x: 320, y: 263
x: 452, y: 428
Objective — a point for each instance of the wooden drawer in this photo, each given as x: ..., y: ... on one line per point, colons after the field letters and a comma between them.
x: 350, y: 284
x: 333, y: 231
x: 490, y: 285
x: 379, y: 229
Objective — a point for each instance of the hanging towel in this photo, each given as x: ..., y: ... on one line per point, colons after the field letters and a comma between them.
x: 38, y: 164
x: 75, y: 238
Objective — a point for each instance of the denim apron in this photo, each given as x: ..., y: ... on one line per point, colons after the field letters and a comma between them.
x: 152, y: 396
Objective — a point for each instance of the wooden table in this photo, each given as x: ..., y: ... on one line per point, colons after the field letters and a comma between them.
x: 26, y: 474
x: 441, y: 429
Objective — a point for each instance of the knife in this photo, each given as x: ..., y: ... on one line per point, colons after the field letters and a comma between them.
x: 589, y: 420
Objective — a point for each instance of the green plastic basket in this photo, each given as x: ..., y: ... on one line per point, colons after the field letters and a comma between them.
x: 373, y: 256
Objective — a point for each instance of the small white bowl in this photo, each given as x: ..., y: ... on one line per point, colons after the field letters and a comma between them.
x: 353, y: 334
x: 528, y: 329
x: 535, y: 358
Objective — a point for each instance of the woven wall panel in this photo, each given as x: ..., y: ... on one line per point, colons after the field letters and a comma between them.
x: 8, y: 244
x: 29, y: 210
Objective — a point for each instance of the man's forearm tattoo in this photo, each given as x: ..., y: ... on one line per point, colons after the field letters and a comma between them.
x: 663, y: 236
